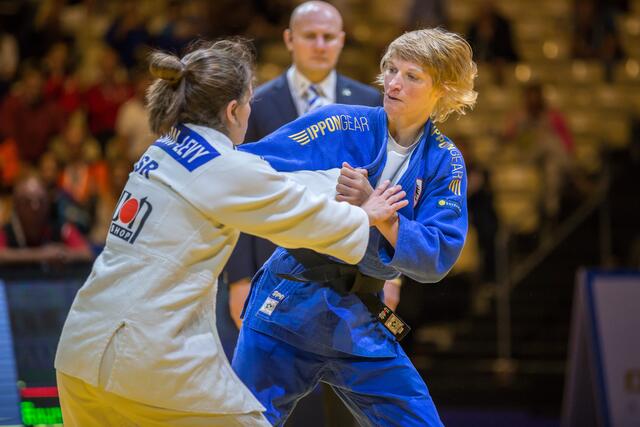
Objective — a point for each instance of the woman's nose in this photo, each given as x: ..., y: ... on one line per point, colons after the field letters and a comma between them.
x: 396, y: 82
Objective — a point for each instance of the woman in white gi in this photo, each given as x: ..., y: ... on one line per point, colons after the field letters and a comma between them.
x: 139, y: 346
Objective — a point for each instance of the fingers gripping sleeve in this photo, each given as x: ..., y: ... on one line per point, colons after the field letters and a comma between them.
x: 244, y: 192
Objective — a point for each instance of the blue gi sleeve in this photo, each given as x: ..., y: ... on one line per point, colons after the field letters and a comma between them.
x: 429, y: 245
x: 323, y: 139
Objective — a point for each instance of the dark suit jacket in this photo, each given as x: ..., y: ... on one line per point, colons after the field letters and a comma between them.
x: 272, y: 107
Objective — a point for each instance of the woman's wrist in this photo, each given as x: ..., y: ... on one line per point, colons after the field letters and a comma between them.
x: 389, y: 229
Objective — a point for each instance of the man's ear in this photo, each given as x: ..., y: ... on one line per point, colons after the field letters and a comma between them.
x: 230, y: 112
x: 287, y: 36
x: 341, y: 38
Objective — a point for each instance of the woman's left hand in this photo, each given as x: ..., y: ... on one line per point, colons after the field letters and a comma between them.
x: 353, y: 185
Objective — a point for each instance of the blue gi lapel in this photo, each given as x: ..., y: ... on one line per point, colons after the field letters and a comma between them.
x: 415, y: 171
x: 375, y: 168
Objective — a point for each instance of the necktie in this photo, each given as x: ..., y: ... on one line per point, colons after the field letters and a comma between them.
x: 314, y: 98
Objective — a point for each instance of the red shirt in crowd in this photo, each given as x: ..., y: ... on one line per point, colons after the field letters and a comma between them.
x: 103, y: 101
x: 30, y: 126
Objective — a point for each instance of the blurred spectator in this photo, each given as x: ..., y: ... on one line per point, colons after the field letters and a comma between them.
x: 31, y: 235
x: 178, y: 31
x: 86, y: 21
x: 82, y: 176
x: 15, y: 18
x: 483, y: 217
x: 490, y: 37
x: 104, y: 98
x: 237, y: 16
x: 540, y: 137
x: 40, y: 26
x: 128, y: 35
x: 28, y: 118
x: 595, y: 35
x: 9, y: 57
x: 63, y: 208
x: 132, y: 122
x: 107, y: 199
x: 49, y: 171
x: 75, y: 141
x: 535, y: 114
x: 269, y: 18
x: 60, y: 85
x: 10, y: 164
x: 426, y: 14
x: 482, y: 214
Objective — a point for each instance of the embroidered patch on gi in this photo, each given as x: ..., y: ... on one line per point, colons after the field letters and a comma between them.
x: 130, y: 215
x: 268, y: 306
x: 418, y: 192
x: 450, y: 204
x: 187, y: 147
x: 335, y: 123
x: 455, y: 186
x: 271, y: 303
x: 277, y: 295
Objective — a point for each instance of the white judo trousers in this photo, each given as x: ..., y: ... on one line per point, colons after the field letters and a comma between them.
x: 141, y: 333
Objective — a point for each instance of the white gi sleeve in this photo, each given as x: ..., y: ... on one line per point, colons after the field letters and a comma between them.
x: 243, y: 191
x: 321, y: 182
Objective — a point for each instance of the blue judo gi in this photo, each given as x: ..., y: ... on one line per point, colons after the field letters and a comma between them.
x: 296, y: 334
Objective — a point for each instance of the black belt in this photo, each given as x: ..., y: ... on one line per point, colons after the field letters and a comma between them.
x: 347, y: 279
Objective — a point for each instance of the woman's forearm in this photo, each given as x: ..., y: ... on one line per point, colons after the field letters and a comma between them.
x: 389, y: 229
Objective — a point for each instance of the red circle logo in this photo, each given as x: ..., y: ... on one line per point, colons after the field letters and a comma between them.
x: 128, y: 211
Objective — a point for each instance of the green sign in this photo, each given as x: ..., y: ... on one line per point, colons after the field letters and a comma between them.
x: 35, y: 416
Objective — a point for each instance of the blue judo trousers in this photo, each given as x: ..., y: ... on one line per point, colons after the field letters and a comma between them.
x: 297, y: 334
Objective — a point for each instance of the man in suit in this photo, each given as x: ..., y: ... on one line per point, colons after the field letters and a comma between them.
x: 315, y: 39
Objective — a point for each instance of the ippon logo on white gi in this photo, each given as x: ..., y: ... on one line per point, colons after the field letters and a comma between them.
x: 129, y: 218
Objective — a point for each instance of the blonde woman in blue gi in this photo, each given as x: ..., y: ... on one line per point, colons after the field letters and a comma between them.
x: 139, y: 347
x: 310, y: 318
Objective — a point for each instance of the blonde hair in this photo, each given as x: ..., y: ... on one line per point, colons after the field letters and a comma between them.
x: 197, y: 88
x: 448, y: 59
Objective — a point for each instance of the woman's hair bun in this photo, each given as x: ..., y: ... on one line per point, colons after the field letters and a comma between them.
x: 166, y: 67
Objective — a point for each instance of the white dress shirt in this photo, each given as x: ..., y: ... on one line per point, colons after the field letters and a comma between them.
x: 299, y: 84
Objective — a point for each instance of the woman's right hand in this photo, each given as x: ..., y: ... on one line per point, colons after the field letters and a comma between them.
x: 384, y: 202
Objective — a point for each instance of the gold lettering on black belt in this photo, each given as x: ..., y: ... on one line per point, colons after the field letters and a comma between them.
x: 393, y: 323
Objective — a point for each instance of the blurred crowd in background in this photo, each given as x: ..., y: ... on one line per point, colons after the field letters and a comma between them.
x: 558, y: 83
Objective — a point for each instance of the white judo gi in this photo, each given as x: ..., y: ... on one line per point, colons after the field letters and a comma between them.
x: 142, y: 327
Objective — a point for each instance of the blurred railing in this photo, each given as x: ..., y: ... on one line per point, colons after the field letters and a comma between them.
x: 509, y: 276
